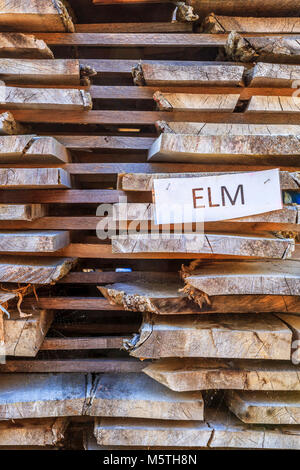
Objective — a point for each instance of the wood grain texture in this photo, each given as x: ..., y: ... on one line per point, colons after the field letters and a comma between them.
x: 277, y: 104
x: 293, y: 322
x: 213, y: 149
x: 209, y: 374
x: 33, y: 241
x: 24, y: 212
x: 34, y: 270
x: 32, y: 149
x: 273, y: 75
x: 237, y: 245
x: 23, y: 46
x: 214, y: 336
x: 72, y: 365
x: 184, y: 101
x: 153, y: 27
x: 37, y: 432
x: 223, y: 24
x: 44, y: 178
x: 265, y: 408
x: 246, y: 7
x: 42, y: 15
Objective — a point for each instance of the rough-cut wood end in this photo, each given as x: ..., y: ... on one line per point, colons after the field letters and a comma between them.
x: 239, y: 49
x: 210, y: 24
x: 138, y: 75
x: 32, y: 432
x: 8, y: 125
x: 185, y: 13
x: 24, y: 46
x: 162, y: 102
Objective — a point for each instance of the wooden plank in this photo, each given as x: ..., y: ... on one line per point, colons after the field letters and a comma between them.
x: 8, y: 125
x: 266, y: 246
x: 223, y: 24
x: 45, y: 178
x: 154, y: 297
x: 23, y: 336
x: 118, y: 395
x: 273, y: 75
x: 246, y: 7
x: 21, y: 212
x: 44, y: 15
x: 265, y: 408
x: 34, y: 270
x: 133, y: 39
x: 216, y: 336
x: 247, y: 278
x: 144, y: 181
x: 36, y: 432
x: 118, y: 142
x: 219, y: 149
x: 70, y: 303
x: 274, y: 104
x: 153, y: 27
x: 188, y: 75
x: 33, y: 241
x: 113, y: 366
x: 45, y: 98
x: 85, y: 343
x: 184, y: 101
x: 219, y: 430
x: 41, y: 71
x: 23, y: 46
x: 293, y: 322
x: 202, y: 128
x: 264, y: 49
x: 194, y: 374
x: 31, y: 149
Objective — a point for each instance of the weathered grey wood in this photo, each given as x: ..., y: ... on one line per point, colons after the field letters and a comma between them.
x: 8, y: 125
x: 246, y: 7
x: 34, y: 270
x: 202, y: 128
x: 32, y: 432
x: 265, y: 408
x: 144, y: 181
x: 293, y: 322
x: 246, y: 278
x: 154, y: 297
x: 223, y: 24
x: 266, y: 246
x: 43, y: 178
x: 273, y: 75
x: 31, y: 148
x: 189, y: 101
x: 215, y: 336
x: 21, y: 211
x: 24, y: 46
x: 23, y: 336
x: 42, y: 72
x: 189, y: 75
x: 33, y: 241
x: 220, y: 149
x: 45, y: 98
x: 265, y: 49
x: 274, y: 104
x: 220, y: 429
x: 182, y: 375
x: 32, y: 15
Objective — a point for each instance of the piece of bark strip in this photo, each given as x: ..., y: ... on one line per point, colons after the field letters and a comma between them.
x: 224, y: 24
x: 183, y: 375
x: 160, y: 298
x: 188, y: 75
x: 266, y: 246
x: 190, y: 101
x: 274, y: 104
x: 32, y: 432
x: 222, y: 129
x: 118, y: 395
x: 31, y: 148
x: 144, y: 181
x: 215, y: 336
x: 45, y: 98
x: 265, y: 49
x: 273, y: 75
x: 40, y: 178
x: 293, y: 322
x: 8, y: 125
x: 220, y: 149
x: 246, y: 278
x: 246, y: 7
x: 220, y: 429
x: 23, y: 46
x: 33, y: 241
x: 42, y: 72
x: 265, y: 407
x: 21, y: 211
x: 34, y: 270
x: 23, y: 336
x: 32, y: 16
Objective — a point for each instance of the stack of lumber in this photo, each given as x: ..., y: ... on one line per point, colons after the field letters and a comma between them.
x: 128, y: 341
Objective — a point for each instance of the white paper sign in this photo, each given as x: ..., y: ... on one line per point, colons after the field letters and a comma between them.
x: 213, y: 198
